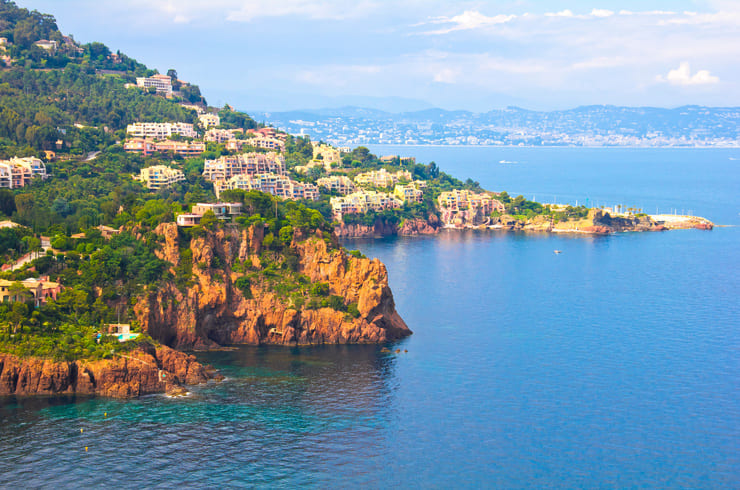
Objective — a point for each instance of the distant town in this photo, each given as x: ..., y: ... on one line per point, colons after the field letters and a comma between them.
x: 689, y: 126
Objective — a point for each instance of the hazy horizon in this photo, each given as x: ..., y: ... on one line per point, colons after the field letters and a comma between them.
x: 478, y: 56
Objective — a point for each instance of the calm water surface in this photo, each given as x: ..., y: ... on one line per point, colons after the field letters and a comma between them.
x: 613, y: 364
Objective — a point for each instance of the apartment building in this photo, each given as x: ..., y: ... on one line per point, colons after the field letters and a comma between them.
x: 160, y: 131
x: 158, y: 176
x: 382, y: 178
x: 328, y: 154
x: 209, y: 119
x: 362, y: 202
x: 147, y: 147
x: 408, y: 192
x: 277, y: 185
x: 222, y: 135
x: 267, y: 142
x: 225, y: 167
x: 19, y: 172
x: 463, y: 200
x: 339, y: 183
x: 162, y: 83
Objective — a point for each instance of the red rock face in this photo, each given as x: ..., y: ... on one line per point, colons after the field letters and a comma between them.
x: 213, y: 312
x: 140, y: 372
x: 410, y: 227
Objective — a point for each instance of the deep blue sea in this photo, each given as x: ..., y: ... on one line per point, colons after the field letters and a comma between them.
x: 613, y: 364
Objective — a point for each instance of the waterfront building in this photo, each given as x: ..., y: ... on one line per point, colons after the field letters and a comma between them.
x: 160, y: 131
x: 162, y: 84
x: 158, y: 176
x: 465, y: 207
x: 362, y: 202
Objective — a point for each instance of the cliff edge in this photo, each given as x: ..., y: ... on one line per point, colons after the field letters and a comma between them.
x: 140, y: 372
x: 241, y: 293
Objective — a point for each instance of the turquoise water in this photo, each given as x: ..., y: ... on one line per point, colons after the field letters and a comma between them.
x: 613, y: 364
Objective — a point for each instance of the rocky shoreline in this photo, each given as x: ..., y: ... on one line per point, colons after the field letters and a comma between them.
x: 143, y: 371
x: 597, y: 222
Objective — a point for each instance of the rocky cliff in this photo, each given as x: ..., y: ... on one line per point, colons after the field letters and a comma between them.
x: 212, y: 310
x: 140, y: 372
x: 381, y: 228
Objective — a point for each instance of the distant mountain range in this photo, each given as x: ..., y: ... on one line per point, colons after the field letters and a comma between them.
x: 582, y: 126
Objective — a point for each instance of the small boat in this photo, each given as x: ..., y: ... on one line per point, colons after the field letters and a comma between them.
x: 558, y: 251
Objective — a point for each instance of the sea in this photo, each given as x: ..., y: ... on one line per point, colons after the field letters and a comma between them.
x: 613, y: 364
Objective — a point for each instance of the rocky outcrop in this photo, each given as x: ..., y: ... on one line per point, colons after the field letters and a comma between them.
x: 420, y: 226
x: 139, y: 372
x: 380, y: 228
x: 383, y: 228
x: 597, y: 222
x: 212, y: 311
x: 601, y: 222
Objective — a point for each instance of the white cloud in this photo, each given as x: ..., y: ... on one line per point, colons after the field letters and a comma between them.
x: 601, y: 13
x: 470, y: 19
x: 682, y: 76
x: 562, y: 13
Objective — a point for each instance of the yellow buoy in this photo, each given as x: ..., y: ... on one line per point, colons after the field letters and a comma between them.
x: 81, y: 430
x: 105, y: 414
x: 85, y: 448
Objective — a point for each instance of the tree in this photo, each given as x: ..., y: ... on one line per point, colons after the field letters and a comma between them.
x: 433, y: 170
x: 7, y: 202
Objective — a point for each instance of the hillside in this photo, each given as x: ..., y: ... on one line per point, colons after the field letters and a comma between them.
x: 89, y: 248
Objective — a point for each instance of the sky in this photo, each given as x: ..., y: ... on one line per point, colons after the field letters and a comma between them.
x: 276, y: 55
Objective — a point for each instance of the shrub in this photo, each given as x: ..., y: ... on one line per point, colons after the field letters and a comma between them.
x: 243, y: 284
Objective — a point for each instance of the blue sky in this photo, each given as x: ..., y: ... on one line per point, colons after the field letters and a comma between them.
x: 475, y: 55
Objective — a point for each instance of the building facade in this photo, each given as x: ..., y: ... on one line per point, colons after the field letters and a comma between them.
x: 225, y: 167
x: 277, y: 185
x: 361, y: 202
x: 160, y: 131
x: 338, y: 183
x: 162, y: 84
x: 19, y: 172
x: 159, y: 176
